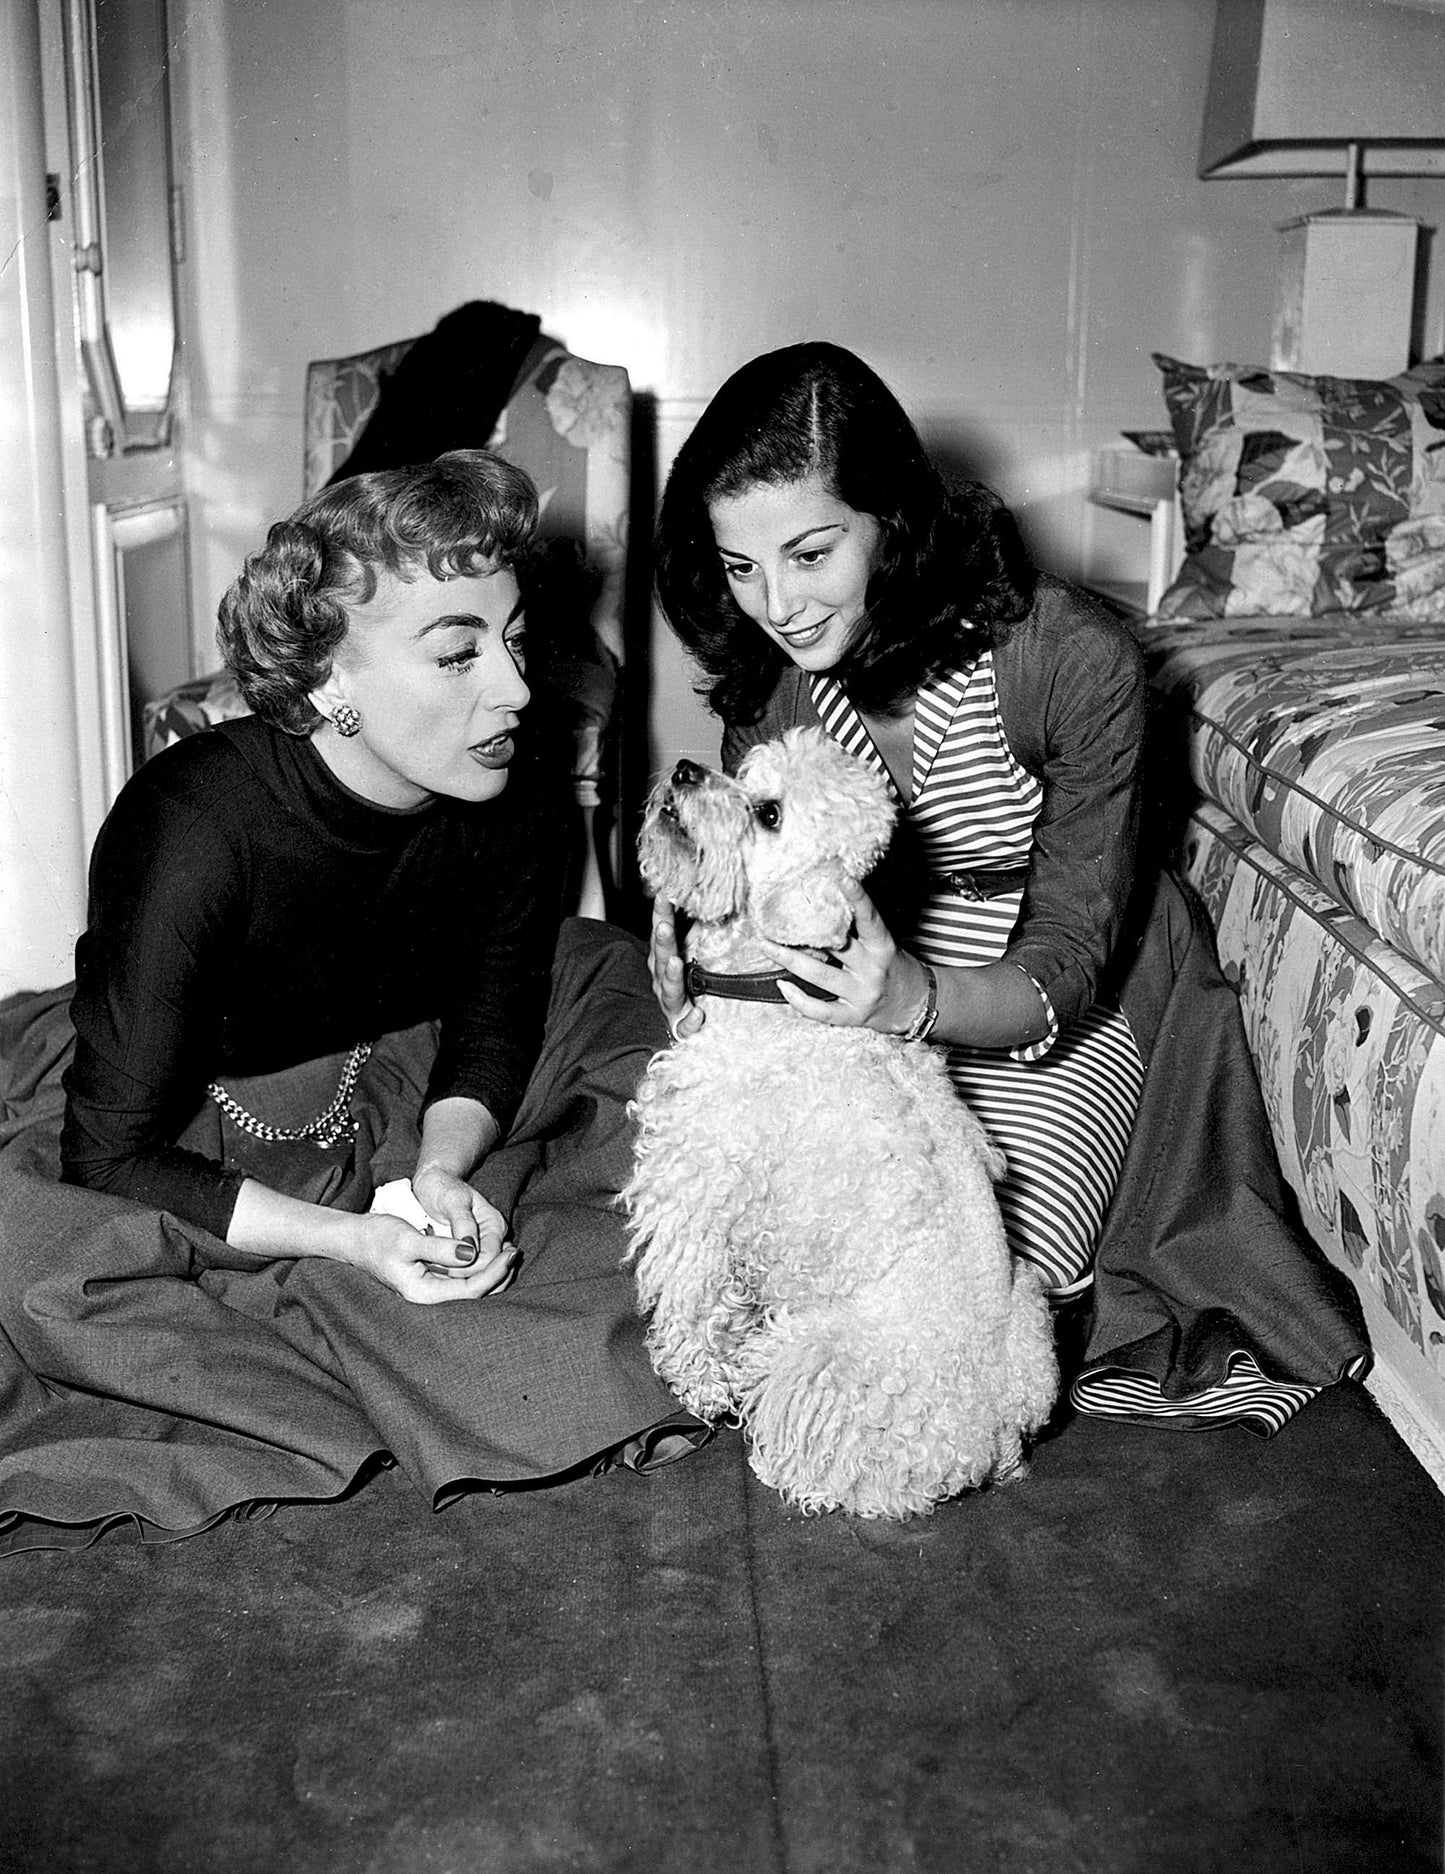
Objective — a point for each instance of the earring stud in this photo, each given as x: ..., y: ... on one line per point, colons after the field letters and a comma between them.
x: 345, y: 719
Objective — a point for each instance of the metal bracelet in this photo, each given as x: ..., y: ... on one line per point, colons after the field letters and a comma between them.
x: 922, y: 1025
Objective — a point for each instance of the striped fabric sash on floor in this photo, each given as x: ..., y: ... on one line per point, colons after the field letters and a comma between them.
x: 1245, y: 1396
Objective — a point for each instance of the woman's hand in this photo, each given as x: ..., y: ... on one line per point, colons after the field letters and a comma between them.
x: 683, y: 1016
x: 456, y: 1135
x: 417, y: 1266
x: 876, y: 985
x: 428, y: 1269
x: 462, y: 1211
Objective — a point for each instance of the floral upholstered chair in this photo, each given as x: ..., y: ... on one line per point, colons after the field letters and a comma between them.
x: 567, y: 422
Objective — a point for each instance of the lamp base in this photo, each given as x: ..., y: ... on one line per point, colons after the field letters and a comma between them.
x: 1345, y: 298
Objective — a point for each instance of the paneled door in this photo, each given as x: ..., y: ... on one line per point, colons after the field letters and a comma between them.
x: 124, y: 248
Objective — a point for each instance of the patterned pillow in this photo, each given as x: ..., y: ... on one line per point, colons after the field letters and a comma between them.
x: 1308, y: 495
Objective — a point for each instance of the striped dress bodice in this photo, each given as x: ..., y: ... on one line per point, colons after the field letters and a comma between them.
x: 973, y: 806
x: 1060, y: 1108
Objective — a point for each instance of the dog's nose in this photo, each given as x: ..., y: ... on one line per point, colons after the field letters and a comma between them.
x: 688, y: 774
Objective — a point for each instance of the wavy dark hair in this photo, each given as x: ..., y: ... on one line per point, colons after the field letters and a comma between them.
x: 952, y: 572
x: 281, y: 621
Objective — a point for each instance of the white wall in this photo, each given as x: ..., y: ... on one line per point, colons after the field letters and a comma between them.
x: 994, y: 201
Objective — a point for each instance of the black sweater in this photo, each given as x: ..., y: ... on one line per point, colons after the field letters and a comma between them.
x: 247, y: 913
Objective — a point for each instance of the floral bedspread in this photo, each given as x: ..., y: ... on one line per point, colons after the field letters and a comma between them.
x: 1317, y: 748
x: 1348, y: 1036
x: 1325, y: 739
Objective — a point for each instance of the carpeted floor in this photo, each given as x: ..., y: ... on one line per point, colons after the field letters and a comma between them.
x: 1162, y: 1651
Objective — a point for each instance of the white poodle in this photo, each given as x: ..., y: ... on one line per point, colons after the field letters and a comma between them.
x: 811, y: 1210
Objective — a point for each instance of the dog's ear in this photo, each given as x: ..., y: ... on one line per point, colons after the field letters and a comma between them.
x: 854, y: 806
x: 810, y: 908
x: 861, y: 812
x: 708, y: 884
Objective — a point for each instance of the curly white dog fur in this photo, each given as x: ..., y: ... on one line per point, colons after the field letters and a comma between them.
x: 811, y: 1210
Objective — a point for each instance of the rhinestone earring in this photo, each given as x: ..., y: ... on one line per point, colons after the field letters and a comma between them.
x: 346, y: 720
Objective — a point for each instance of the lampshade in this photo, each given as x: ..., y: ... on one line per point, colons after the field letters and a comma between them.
x: 1326, y: 87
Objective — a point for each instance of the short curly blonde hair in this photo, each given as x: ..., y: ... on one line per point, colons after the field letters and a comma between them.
x: 281, y: 621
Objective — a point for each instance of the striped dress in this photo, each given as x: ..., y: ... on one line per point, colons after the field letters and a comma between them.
x: 1061, y: 1109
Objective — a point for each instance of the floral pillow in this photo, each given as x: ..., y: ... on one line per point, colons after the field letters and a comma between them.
x: 1308, y: 495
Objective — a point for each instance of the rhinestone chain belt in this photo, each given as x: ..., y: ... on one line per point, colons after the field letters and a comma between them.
x: 330, y: 1126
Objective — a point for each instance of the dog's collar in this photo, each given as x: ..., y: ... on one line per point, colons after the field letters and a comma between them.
x: 758, y: 986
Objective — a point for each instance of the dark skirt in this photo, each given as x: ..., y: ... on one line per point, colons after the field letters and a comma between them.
x: 151, y: 1375
x: 1202, y: 1262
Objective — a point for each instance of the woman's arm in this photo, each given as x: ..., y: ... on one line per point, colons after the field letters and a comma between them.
x: 470, y: 1260
x: 505, y: 889
x: 1072, y: 699
x: 875, y: 984
x: 162, y: 879
x: 456, y: 1136
x: 418, y: 1267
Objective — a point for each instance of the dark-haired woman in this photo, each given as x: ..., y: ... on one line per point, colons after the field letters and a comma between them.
x: 814, y: 564
x: 317, y: 969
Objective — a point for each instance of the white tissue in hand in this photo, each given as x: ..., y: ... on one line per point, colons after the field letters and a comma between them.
x: 397, y: 1199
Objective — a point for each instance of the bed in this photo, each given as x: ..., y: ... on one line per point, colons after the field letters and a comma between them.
x: 1298, y: 661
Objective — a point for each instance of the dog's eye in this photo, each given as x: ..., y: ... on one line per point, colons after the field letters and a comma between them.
x: 769, y: 813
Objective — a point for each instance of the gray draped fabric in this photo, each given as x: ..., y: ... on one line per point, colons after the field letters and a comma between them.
x: 149, y: 1373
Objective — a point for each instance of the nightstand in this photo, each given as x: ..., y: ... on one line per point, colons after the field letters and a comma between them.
x: 1127, y: 478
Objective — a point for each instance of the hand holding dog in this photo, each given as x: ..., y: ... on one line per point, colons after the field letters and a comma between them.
x: 874, y: 983
x: 683, y: 1016
x: 877, y: 985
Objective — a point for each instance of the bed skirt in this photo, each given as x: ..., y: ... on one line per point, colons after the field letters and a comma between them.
x: 151, y: 1376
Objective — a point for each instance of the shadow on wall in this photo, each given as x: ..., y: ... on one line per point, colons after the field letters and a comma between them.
x: 963, y: 458
x: 1424, y: 272
x: 631, y: 741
